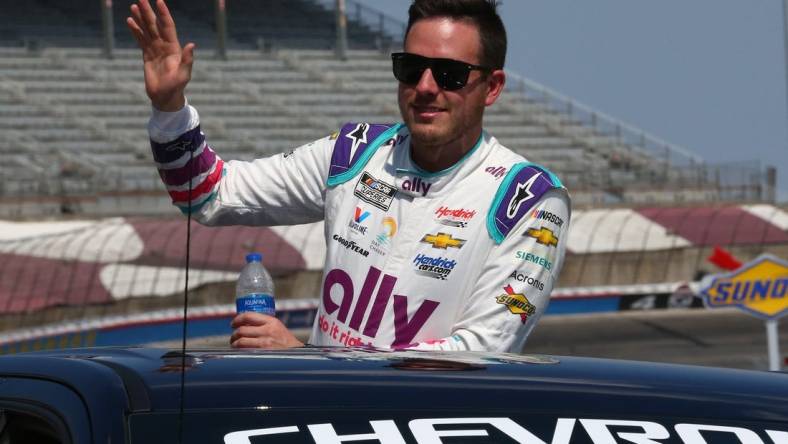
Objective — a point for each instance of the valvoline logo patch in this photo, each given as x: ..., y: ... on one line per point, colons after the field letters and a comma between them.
x: 360, y: 215
x: 759, y: 288
x: 357, y: 223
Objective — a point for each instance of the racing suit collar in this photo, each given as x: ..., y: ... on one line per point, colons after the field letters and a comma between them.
x: 410, y: 179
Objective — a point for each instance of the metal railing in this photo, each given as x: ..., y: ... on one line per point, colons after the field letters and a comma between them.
x: 618, y: 131
x: 387, y: 29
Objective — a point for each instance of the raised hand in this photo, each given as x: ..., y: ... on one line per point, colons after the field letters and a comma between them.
x: 168, y: 66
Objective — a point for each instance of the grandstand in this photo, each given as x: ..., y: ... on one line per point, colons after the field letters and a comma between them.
x: 74, y: 119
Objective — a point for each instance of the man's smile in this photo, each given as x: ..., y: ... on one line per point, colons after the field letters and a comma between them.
x: 427, y: 111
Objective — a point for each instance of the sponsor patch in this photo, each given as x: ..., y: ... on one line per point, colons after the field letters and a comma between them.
x: 538, y: 260
x: 181, y: 145
x: 521, y: 195
x: 356, y: 224
x: 416, y: 185
x: 517, y: 303
x: 451, y: 217
x: 522, y: 277
x: 407, y: 321
x: 434, y: 267
x: 350, y: 245
x: 496, y: 172
x: 522, y: 187
x: 544, y: 236
x: 547, y: 216
x: 442, y: 241
x: 357, y: 136
x: 382, y: 242
x: 374, y: 192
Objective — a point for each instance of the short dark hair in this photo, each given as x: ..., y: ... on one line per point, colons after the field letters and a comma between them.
x: 481, y: 13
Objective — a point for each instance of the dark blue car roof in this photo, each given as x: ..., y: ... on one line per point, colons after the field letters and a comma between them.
x: 367, y: 379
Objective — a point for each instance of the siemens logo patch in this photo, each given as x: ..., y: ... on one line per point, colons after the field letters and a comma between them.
x: 374, y: 192
x: 434, y: 267
x: 539, y: 260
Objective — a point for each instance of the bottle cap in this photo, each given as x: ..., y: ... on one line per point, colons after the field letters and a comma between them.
x: 254, y: 257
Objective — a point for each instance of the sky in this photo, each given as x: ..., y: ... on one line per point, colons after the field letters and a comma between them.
x: 706, y: 75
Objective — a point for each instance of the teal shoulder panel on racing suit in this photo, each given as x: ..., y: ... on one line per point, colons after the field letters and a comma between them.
x: 356, y: 143
x: 521, y: 189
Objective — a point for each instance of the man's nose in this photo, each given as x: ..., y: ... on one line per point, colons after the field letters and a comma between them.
x: 427, y: 83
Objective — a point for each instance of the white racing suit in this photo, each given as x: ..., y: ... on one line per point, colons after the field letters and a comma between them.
x: 461, y: 259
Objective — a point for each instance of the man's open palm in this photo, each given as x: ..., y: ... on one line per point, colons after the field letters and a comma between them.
x: 168, y: 66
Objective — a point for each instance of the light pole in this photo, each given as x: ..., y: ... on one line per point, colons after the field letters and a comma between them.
x: 221, y: 29
x: 341, y: 30
x: 108, y: 28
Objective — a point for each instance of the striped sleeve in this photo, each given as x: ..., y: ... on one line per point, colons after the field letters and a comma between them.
x: 189, y: 168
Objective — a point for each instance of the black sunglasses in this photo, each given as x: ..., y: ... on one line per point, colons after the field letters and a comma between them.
x: 449, y: 74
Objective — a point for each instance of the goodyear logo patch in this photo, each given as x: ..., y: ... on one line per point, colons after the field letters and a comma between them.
x: 759, y: 288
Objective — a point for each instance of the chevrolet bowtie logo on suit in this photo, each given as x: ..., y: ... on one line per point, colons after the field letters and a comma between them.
x: 543, y: 236
x: 443, y: 241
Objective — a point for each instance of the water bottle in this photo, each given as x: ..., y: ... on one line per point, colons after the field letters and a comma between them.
x: 254, y: 290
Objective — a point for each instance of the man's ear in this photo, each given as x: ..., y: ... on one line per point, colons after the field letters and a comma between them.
x: 495, y: 82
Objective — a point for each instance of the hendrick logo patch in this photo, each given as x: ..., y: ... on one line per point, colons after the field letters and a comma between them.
x: 454, y: 217
x: 434, y: 267
x: 375, y: 192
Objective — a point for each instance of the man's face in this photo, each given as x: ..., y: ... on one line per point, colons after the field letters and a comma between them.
x: 435, y: 116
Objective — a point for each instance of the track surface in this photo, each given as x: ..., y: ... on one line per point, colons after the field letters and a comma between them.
x: 722, y: 338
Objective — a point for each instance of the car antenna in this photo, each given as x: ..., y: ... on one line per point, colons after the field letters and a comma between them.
x: 185, y: 297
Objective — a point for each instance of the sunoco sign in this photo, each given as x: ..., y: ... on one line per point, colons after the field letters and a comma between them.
x: 759, y: 288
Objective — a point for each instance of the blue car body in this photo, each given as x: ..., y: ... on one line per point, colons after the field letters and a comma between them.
x: 327, y: 395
